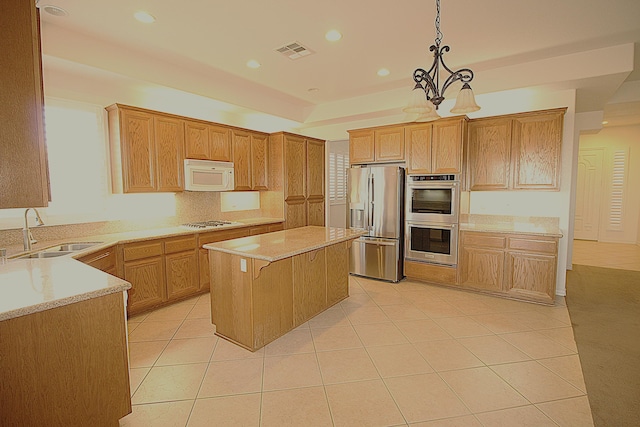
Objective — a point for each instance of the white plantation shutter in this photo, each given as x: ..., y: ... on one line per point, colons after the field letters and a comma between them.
x: 338, y: 164
x: 617, y: 190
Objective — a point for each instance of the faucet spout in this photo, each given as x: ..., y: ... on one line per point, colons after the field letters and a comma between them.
x: 27, y: 237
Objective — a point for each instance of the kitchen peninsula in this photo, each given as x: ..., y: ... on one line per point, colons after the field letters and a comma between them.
x: 264, y: 286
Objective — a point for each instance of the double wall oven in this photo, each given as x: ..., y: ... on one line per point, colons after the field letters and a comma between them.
x: 431, y: 218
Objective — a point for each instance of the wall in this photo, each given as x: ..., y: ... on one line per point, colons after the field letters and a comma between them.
x: 610, y: 139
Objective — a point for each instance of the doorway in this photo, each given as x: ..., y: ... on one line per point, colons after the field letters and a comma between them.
x: 588, y: 194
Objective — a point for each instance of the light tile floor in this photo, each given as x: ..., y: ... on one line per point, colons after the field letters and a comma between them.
x: 389, y: 355
x: 610, y: 255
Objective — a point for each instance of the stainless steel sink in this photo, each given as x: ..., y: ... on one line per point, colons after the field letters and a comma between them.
x: 44, y: 254
x: 60, y: 250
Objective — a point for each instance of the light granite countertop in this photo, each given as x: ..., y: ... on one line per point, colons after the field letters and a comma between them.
x: 284, y: 244
x: 542, y: 226
x: 31, y: 285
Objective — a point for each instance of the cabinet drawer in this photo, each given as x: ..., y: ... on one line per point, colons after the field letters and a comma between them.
x: 484, y: 240
x: 142, y: 250
x: 180, y: 244
x: 260, y: 229
x: 218, y: 236
x: 102, y: 260
x: 545, y: 246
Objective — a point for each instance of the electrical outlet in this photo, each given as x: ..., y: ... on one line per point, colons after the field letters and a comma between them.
x: 243, y: 265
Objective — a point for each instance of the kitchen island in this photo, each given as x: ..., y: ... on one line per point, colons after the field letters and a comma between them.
x: 264, y: 286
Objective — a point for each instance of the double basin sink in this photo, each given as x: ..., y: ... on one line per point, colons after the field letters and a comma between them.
x: 59, y: 250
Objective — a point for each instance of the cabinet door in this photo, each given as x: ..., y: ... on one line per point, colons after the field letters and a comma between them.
x: 309, y: 285
x: 259, y: 163
x: 315, y: 182
x: 389, y: 144
x: 536, y: 144
x: 197, y: 140
x: 147, y: 283
x: 482, y: 261
x: 182, y: 274
x: 215, y: 236
x: 295, y: 161
x: 169, y: 143
x: 361, y: 146
x: 242, y: 160
x: 489, y: 154
x: 220, y: 144
x: 531, y: 276
x: 138, y: 152
x: 337, y: 272
x: 295, y: 212
x: 24, y: 176
x: 104, y: 260
x: 446, y: 149
x: 315, y: 211
x: 418, y: 141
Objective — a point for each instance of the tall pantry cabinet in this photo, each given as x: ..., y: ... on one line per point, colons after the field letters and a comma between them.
x: 296, y: 168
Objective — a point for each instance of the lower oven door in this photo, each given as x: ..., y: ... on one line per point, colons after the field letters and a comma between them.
x: 431, y: 242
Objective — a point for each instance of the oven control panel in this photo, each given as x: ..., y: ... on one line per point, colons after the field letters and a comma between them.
x: 416, y: 178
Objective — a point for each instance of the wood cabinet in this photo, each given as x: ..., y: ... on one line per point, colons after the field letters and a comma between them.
x: 24, y: 181
x: 516, y: 152
x: 146, y: 151
x: 297, y: 170
x: 250, y: 151
x: 435, y: 148
x: 203, y: 254
x: 309, y: 285
x: 104, y: 260
x: 206, y: 141
x: 181, y: 266
x: 377, y: 145
x: 516, y: 265
x: 144, y: 269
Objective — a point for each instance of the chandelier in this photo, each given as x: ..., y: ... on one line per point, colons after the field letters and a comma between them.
x: 427, y: 94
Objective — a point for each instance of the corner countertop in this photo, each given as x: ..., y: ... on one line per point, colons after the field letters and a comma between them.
x: 541, y: 226
x: 284, y: 244
x: 28, y: 286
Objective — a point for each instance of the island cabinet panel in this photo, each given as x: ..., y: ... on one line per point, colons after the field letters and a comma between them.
x: 309, y: 285
x: 272, y: 293
x: 337, y: 272
x: 211, y: 237
x: 66, y: 366
x: 24, y: 172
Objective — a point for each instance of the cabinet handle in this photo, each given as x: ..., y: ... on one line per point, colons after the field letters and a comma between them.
x: 98, y: 258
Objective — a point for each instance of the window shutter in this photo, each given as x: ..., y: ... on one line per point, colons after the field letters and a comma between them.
x: 616, y: 206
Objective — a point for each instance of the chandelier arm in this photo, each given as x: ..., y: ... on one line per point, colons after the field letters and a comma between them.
x: 420, y: 76
x: 464, y: 75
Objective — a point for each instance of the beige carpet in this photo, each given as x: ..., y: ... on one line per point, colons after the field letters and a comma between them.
x: 604, y: 305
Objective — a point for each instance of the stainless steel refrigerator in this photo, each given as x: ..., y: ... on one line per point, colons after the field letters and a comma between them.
x: 375, y: 203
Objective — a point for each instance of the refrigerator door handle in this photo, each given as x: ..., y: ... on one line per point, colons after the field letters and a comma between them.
x: 371, y: 202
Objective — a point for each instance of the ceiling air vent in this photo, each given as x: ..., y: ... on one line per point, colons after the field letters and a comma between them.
x: 294, y: 50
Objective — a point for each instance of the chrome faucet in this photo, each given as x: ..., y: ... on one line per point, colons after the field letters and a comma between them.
x: 27, y: 237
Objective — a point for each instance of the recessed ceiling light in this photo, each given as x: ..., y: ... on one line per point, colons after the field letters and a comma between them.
x: 253, y: 64
x: 383, y: 72
x: 333, y: 35
x: 605, y: 122
x: 313, y: 89
x: 54, y: 10
x: 144, y: 17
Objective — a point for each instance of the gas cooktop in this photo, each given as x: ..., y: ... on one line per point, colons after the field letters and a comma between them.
x: 209, y: 224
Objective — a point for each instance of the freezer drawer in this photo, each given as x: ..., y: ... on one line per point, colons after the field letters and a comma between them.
x: 377, y: 258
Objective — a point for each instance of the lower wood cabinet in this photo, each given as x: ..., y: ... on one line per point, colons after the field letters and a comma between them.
x: 516, y: 265
x: 104, y: 260
x: 181, y: 266
x: 144, y: 269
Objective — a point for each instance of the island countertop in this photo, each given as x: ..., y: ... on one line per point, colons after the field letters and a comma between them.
x: 284, y: 244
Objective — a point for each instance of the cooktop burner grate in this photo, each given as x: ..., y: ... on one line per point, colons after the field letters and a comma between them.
x: 207, y: 224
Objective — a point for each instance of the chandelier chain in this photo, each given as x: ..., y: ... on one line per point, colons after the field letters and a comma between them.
x: 438, y: 32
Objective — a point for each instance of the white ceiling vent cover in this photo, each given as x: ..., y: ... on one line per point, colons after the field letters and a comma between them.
x: 294, y: 50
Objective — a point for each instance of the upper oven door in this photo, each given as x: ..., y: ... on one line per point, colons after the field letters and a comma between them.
x: 433, y: 201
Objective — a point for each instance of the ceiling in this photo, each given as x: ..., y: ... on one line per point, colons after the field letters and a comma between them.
x: 201, y: 47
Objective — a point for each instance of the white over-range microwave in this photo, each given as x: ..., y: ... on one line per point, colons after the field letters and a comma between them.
x: 207, y: 175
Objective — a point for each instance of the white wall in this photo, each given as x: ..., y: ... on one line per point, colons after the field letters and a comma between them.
x: 610, y: 139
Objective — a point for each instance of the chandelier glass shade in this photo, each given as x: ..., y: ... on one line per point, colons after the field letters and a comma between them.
x: 428, y: 93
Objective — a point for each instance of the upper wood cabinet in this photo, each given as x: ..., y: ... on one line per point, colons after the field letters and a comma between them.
x: 297, y: 168
x: 207, y: 141
x: 250, y: 163
x: 146, y: 150
x: 435, y: 148
x: 376, y: 145
x: 24, y: 181
x: 519, y: 152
